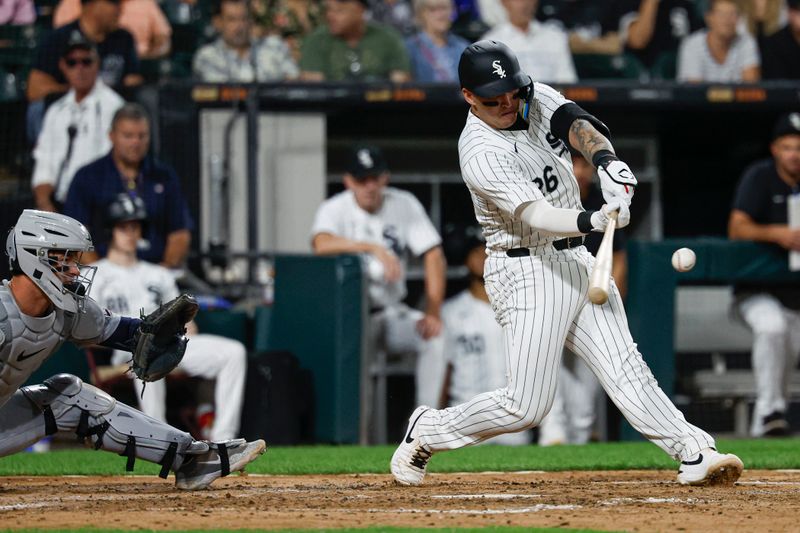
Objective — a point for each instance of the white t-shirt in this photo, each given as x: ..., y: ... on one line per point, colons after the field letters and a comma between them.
x: 128, y: 290
x: 543, y: 50
x: 91, y: 119
x: 401, y: 225
x: 504, y: 169
x: 695, y: 61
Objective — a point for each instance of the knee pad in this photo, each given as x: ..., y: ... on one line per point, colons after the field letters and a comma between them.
x: 69, y: 404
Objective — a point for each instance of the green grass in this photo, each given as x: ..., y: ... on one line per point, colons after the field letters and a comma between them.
x: 756, y: 454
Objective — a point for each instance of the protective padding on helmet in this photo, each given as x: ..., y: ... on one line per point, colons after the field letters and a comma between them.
x: 29, y: 246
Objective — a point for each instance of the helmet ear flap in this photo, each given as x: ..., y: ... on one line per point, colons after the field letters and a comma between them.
x: 11, y: 251
x: 526, y: 95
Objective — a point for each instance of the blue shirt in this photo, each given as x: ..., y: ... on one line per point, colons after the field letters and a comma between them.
x: 431, y: 63
x: 98, y: 184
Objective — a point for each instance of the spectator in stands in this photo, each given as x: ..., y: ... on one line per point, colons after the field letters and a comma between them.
x: 542, y: 50
x: 588, y: 23
x: 397, y: 14
x: 123, y: 284
x: 119, y: 64
x: 17, y: 12
x: 236, y: 57
x: 75, y: 127
x: 780, y: 55
x: 142, y: 18
x: 653, y: 29
x: 128, y: 168
x: 385, y: 225
x: 492, y: 12
x: 720, y: 53
x: 468, y: 356
x: 349, y: 47
x: 434, y: 51
x: 291, y: 19
x: 761, y: 18
x: 760, y: 213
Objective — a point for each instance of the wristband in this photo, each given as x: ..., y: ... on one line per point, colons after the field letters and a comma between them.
x: 602, y: 157
x: 585, y: 221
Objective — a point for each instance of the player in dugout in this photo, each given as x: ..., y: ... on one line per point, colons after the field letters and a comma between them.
x: 516, y: 163
x: 45, y: 304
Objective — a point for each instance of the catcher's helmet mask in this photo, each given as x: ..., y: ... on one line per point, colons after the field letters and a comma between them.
x: 490, y: 69
x: 47, y: 248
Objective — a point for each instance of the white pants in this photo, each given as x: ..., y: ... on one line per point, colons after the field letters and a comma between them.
x: 776, y: 346
x: 541, y: 303
x: 208, y: 357
x: 572, y: 416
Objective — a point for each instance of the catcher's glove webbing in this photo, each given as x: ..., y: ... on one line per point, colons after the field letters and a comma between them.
x: 160, y: 340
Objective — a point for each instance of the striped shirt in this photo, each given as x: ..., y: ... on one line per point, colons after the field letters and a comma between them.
x: 504, y: 169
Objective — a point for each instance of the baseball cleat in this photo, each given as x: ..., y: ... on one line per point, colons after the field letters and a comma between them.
x: 199, y: 471
x: 410, y: 459
x: 709, y: 467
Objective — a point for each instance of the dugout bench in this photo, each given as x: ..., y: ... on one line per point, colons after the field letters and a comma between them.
x: 651, y: 307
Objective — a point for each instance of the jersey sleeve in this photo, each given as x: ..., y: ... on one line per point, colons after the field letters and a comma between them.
x: 751, y: 197
x: 326, y: 220
x: 94, y: 325
x: 422, y: 236
x: 548, y: 101
x: 499, y: 179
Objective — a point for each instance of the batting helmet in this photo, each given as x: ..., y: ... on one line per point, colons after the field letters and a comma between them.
x: 490, y: 68
x: 126, y: 208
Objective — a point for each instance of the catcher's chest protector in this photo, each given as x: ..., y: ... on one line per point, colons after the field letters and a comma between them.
x: 26, y: 342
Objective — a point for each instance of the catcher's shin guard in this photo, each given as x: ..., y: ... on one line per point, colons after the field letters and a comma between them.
x: 68, y: 404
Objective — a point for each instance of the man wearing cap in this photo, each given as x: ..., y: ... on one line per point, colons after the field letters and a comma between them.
x: 98, y: 24
x: 348, y: 47
x: 780, y: 53
x: 385, y: 225
x: 75, y: 127
x: 760, y: 213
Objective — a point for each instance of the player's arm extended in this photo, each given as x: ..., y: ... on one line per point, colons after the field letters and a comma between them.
x: 122, y: 338
x: 565, y: 222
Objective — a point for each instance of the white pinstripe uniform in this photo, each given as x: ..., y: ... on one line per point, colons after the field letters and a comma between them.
x: 541, y: 300
x: 126, y: 290
x: 472, y: 343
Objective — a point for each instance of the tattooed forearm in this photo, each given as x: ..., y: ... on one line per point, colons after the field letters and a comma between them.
x: 585, y: 138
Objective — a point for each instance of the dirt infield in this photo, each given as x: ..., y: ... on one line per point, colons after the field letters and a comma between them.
x: 631, y: 500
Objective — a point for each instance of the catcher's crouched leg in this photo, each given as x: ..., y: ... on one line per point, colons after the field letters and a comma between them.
x: 69, y: 404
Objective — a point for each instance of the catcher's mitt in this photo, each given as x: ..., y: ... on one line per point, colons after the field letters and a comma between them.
x: 160, y: 341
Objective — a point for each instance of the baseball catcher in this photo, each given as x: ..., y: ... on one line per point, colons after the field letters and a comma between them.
x: 45, y: 304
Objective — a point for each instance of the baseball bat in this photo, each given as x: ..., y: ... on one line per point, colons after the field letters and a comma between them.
x: 600, y: 279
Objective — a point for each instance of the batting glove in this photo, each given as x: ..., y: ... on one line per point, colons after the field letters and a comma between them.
x: 616, y: 180
x: 601, y: 218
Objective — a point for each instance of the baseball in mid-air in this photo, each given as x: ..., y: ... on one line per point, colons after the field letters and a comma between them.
x: 683, y: 259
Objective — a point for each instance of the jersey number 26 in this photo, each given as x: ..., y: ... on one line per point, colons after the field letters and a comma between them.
x: 550, y: 181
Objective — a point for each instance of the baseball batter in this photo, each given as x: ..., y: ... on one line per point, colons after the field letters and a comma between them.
x: 125, y: 285
x: 467, y: 358
x: 46, y: 304
x: 517, y: 167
